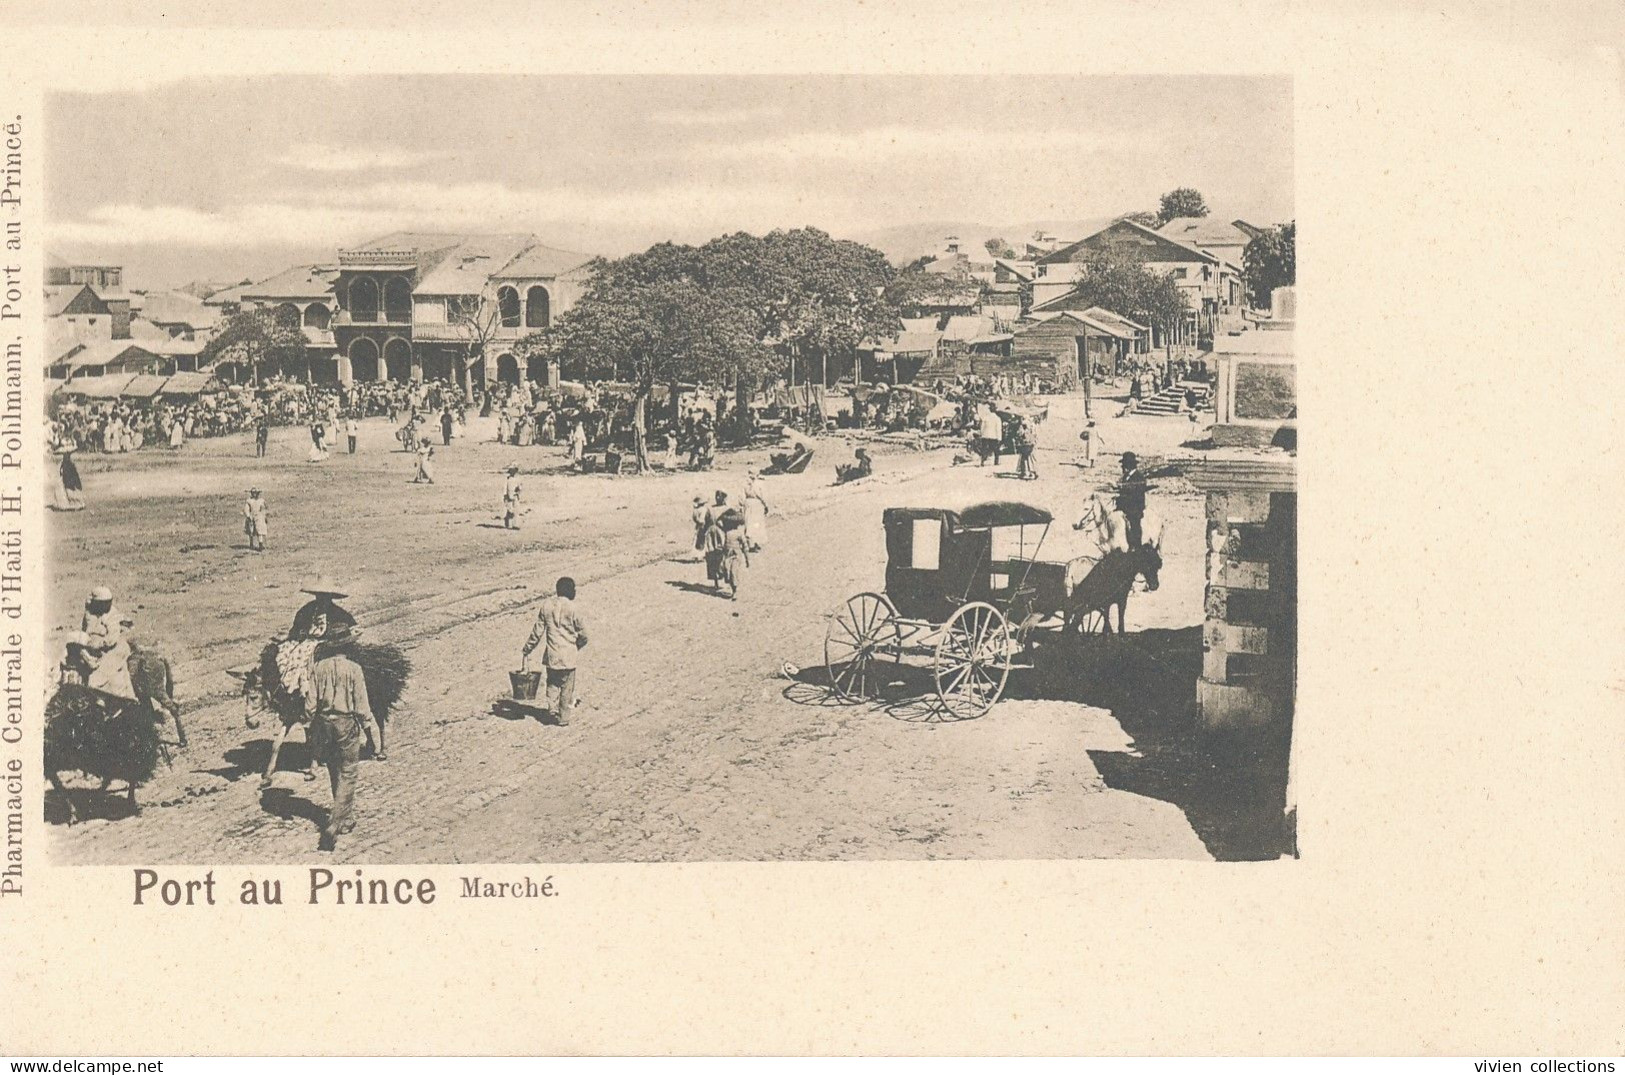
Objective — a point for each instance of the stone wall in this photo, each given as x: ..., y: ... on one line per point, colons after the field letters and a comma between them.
x: 1249, y: 635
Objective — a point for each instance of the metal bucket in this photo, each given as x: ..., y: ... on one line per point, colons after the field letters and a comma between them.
x: 525, y: 685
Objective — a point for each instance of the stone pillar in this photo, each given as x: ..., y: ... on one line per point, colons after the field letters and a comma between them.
x: 1249, y: 634
x: 346, y: 374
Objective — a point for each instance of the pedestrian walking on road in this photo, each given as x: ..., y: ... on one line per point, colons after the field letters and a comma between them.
x: 561, y: 633
x: 510, y: 498
x: 735, y: 551
x: 714, y: 541
x: 1024, y: 449
x: 256, y: 521
x: 262, y: 433
x: 1091, y: 443
x: 425, y: 472
x: 701, y: 521
x: 352, y: 430
x: 756, y: 512
x: 445, y: 428
x: 337, y: 705
x: 73, y: 487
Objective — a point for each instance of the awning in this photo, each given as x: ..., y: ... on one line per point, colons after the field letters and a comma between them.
x: 187, y: 383
x: 105, y: 387
x: 144, y: 386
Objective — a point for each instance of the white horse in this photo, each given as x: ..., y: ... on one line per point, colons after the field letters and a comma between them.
x: 1107, y: 526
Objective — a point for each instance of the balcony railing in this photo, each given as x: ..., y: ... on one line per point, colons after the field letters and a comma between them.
x: 378, y: 259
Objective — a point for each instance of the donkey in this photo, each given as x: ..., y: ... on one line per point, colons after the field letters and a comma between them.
x: 1109, y: 581
x: 385, y: 668
x: 1109, y: 584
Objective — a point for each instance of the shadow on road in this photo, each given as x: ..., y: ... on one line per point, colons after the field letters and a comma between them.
x: 88, y: 804
x: 696, y: 587
x: 290, y: 806
x: 1231, y: 790
x: 248, y: 759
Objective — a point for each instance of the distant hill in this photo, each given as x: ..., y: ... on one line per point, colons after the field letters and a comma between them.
x: 903, y: 243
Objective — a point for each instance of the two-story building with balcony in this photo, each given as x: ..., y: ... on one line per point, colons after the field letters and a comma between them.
x: 302, y: 297
x: 408, y: 303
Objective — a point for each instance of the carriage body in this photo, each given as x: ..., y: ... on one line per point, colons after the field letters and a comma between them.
x: 965, y: 586
x: 938, y: 560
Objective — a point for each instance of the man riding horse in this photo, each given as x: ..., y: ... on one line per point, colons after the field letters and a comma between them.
x: 1128, y: 540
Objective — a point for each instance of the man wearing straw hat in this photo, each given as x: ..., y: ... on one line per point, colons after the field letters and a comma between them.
x: 337, y: 704
x: 318, y: 619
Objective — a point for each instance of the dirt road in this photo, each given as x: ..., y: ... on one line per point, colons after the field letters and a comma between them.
x: 691, y: 743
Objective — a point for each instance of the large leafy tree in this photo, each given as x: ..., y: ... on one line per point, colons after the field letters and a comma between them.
x: 1183, y: 201
x: 1117, y: 280
x: 735, y: 309
x: 1271, y: 261
x: 255, y: 340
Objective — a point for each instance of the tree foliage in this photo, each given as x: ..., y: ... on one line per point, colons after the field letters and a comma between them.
x: 1117, y: 280
x: 1183, y: 201
x: 734, y: 309
x: 913, y: 289
x: 1144, y: 217
x: 998, y: 248
x: 1271, y: 261
x: 256, y: 339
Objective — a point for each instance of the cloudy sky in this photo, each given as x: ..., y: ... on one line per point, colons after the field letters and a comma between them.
x: 225, y: 179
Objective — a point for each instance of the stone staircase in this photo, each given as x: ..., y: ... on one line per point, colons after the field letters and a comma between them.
x: 1171, y: 401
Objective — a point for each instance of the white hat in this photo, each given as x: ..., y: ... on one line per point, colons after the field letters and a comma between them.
x: 101, y: 593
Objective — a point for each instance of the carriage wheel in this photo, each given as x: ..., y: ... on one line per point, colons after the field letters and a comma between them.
x: 972, y: 660
x: 1092, y: 622
x: 863, y: 646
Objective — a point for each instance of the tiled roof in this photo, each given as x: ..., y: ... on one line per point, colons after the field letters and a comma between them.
x: 178, y: 308
x: 538, y: 260
x: 1204, y: 231
x: 297, y: 282
x: 58, y: 297
x: 465, y: 268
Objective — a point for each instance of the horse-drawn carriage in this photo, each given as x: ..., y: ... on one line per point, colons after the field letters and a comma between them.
x: 967, y: 589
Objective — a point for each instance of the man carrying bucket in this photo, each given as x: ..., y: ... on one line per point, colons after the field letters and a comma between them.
x: 560, y: 631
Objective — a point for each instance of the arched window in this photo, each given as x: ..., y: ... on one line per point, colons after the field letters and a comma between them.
x: 536, y: 308
x: 508, y: 306
x: 363, y: 299
x: 317, y: 315
x: 363, y: 359
x: 397, y: 300
x: 287, y: 315
x: 507, y: 370
x: 398, y: 359
x: 536, y: 369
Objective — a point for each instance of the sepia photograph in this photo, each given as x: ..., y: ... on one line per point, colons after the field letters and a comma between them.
x: 522, y: 468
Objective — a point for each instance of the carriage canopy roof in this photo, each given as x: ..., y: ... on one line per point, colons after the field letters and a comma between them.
x: 980, y: 516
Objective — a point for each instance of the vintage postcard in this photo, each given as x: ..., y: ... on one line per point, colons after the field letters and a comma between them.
x: 765, y: 520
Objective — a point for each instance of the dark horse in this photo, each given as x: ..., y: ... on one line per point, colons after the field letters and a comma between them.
x: 1109, y: 583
